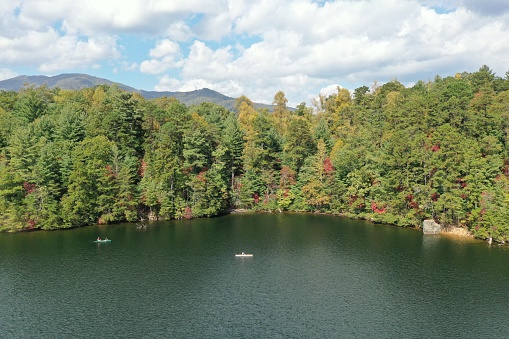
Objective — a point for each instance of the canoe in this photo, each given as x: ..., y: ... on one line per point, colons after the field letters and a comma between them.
x: 243, y: 255
x: 102, y: 240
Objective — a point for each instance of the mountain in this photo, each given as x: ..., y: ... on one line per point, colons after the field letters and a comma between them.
x: 76, y: 81
x: 64, y: 81
x: 198, y: 96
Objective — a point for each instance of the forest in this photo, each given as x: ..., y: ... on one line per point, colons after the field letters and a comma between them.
x: 391, y: 154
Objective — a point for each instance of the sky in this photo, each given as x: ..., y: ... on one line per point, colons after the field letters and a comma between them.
x: 254, y: 47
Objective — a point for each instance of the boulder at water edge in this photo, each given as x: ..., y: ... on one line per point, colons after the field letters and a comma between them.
x: 431, y: 227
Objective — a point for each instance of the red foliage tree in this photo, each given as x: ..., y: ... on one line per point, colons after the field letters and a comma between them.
x: 29, y: 187
x: 188, y: 213
x: 327, y: 166
x: 377, y: 209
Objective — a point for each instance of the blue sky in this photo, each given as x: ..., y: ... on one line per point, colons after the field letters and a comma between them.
x: 254, y: 48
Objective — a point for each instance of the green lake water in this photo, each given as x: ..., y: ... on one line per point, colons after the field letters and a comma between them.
x: 311, y: 276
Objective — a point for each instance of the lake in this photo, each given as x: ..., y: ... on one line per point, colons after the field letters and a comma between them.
x: 311, y: 276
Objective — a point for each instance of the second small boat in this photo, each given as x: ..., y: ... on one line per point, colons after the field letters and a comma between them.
x: 243, y: 255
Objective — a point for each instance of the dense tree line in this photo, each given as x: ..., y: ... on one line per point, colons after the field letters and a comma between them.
x: 387, y: 153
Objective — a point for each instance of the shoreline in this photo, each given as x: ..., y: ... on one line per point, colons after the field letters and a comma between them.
x: 454, y: 231
x: 459, y: 234
x: 449, y: 231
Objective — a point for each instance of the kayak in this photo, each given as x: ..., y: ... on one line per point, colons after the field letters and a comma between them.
x: 102, y: 240
x: 243, y: 255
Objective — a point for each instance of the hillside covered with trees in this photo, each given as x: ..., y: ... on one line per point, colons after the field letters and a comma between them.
x: 391, y: 154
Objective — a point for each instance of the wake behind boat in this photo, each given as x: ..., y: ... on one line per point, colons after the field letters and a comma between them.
x: 243, y: 255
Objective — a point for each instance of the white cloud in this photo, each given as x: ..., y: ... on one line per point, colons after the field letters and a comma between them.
x: 155, y: 66
x: 485, y: 7
x: 331, y: 89
x: 184, y: 6
x: 125, y: 66
x: 69, y: 52
x: 165, y: 55
x: 203, y: 62
x: 163, y: 48
x: 214, y: 27
x: 303, y: 45
x: 54, y: 52
x: 179, y: 31
x: 6, y: 73
x: 257, y: 48
x: 30, y: 36
x: 167, y: 83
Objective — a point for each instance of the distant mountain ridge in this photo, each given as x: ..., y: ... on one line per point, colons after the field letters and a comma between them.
x: 76, y: 81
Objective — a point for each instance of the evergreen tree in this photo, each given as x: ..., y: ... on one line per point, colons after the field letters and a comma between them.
x: 89, y: 193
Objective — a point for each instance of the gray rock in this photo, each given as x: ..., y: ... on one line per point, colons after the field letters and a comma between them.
x: 431, y: 227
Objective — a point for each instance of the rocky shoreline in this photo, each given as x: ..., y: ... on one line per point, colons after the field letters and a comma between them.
x: 457, y: 232
x: 449, y: 231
